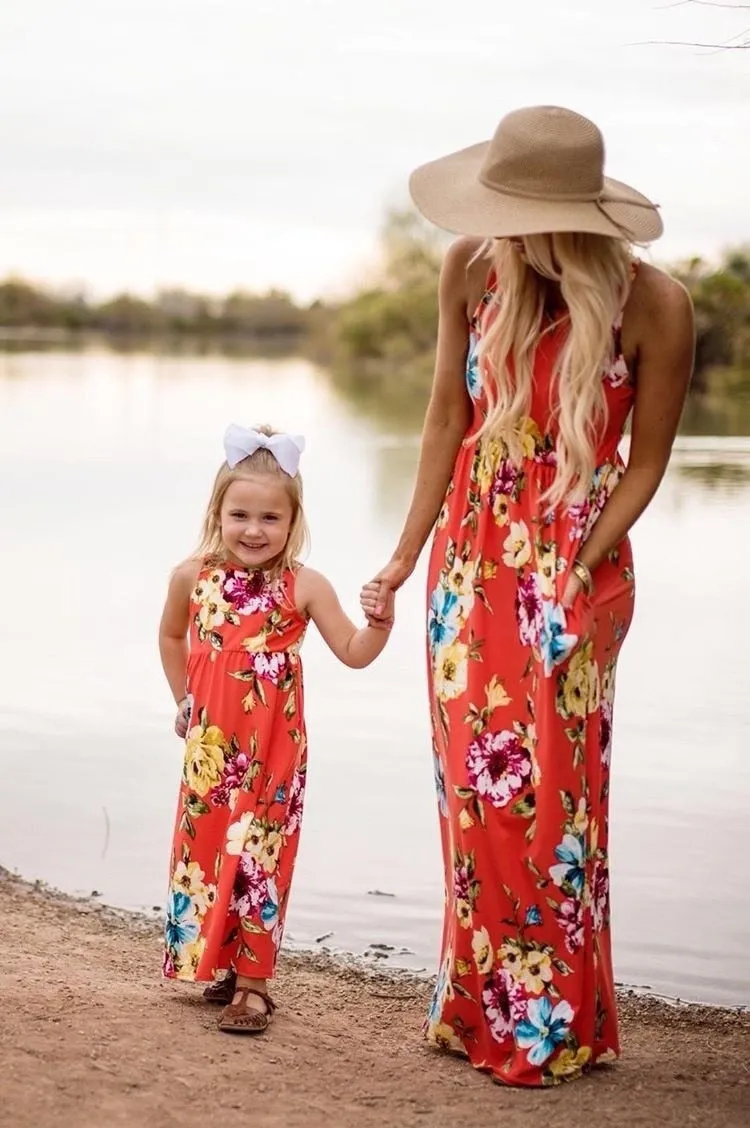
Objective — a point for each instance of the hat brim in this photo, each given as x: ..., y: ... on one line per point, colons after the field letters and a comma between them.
x: 448, y: 193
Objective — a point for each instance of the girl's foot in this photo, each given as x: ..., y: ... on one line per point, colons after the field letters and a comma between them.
x: 222, y: 990
x: 249, y: 1012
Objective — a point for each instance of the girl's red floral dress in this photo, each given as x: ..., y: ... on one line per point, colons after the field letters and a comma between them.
x: 522, y: 695
x: 240, y: 803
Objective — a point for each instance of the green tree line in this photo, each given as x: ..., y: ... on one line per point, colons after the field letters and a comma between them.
x: 380, y: 342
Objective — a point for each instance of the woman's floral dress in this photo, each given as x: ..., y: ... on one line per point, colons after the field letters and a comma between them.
x: 521, y: 700
x: 240, y: 803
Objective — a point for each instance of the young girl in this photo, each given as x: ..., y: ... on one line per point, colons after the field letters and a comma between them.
x: 230, y: 635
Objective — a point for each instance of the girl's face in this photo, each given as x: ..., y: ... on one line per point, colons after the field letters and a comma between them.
x: 256, y: 516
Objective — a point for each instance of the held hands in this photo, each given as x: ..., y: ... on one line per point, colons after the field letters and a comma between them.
x: 377, y: 596
x: 385, y: 620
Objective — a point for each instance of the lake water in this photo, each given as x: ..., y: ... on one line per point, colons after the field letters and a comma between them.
x: 106, y: 463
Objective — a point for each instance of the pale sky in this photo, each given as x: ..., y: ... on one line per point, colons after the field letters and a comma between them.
x: 259, y: 142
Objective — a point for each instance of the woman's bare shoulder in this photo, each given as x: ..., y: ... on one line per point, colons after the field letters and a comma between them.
x: 655, y: 293
x: 465, y: 270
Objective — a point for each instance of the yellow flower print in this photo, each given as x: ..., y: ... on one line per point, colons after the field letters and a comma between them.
x: 536, y: 972
x: 489, y: 570
x: 517, y: 545
x: 204, y: 758
x: 444, y: 1036
x: 237, y: 834
x: 255, y: 840
x: 547, y: 570
x: 578, y: 689
x: 489, y: 458
x: 482, y: 949
x: 594, y: 837
x: 463, y: 912
x: 189, y: 878
x: 269, y: 855
x: 569, y: 1063
x: 465, y: 821
x: 255, y: 643
x: 500, y: 510
x: 212, y: 605
x: 510, y: 955
x: 460, y: 581
x: 451, y: 670
x: 529, y: 437
x: 581, y: 818
x: 191, y: 955
x: 497, y: 698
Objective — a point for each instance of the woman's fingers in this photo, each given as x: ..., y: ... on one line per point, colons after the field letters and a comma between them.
x: 384, y: 592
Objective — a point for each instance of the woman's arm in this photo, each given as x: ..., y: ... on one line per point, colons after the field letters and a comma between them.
x: 354, y: 647
x: 173, y: 627
x: 665, y: 365
x: 446, y: 421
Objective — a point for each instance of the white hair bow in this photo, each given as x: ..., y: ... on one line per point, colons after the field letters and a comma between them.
x: 239, y: 443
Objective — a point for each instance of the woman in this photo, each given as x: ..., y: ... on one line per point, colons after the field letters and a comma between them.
x: 551, y: 332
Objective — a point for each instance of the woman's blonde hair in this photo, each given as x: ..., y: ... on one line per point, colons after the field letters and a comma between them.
x: 260, y: 464
x: 593, y: 274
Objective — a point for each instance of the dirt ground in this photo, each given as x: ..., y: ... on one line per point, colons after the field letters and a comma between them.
x: 91, y: 1037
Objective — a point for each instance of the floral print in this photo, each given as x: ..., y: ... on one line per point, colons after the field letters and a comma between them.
x: 522, y: 694
x: 240, y: 805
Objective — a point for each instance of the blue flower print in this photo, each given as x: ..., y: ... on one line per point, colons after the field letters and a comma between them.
x: 473, y: 375
x: 440, y: 785
x: 440, y: 625
x: 554, y: 643
x: 181, y: 926
x: 543, y: 1029
x: 569, y: 874
x: 280, y: 796
x: 533, y: 915
x: 269, y: 910
x: 436, y: 1005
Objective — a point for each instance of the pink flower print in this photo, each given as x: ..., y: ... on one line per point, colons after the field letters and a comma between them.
x: 269, y: 665
x: 250, y: 891
x: 600, y: 895
x: 249, y: 592
x: 296, y: 803
x: 570, y: 918
x: 499, y: 766
x: 504, y: 1004
x: 529, y: 610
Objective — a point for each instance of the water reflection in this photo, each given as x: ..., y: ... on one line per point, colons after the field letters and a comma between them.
x: 105, y: 464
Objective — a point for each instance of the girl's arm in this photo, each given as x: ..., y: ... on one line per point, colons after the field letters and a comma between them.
x: 354, y: 647
x: 173, y: 627
x: 446, y: 420
x: 665, y: 365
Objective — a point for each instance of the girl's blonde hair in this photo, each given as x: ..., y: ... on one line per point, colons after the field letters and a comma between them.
x: 260, y: 464
x: 593, y: 273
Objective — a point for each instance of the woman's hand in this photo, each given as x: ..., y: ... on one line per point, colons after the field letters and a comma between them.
x: 376, y: 597
x: 573, y: 588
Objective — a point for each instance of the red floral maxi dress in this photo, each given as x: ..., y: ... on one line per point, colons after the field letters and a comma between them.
x: 521, y: 699
x: 240, y: 803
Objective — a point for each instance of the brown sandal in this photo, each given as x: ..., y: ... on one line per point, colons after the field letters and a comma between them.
x: 237, y: 1019
x: 223, y: 990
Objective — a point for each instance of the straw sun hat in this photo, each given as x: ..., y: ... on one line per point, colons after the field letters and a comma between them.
x: 543, y: 171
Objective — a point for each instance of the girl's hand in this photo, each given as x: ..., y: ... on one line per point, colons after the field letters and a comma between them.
x: 182, y: 720
x: 385, y: 621
x: 376, y: 597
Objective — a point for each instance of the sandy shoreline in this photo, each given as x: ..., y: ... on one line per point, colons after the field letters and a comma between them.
x: 91, y: 1036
